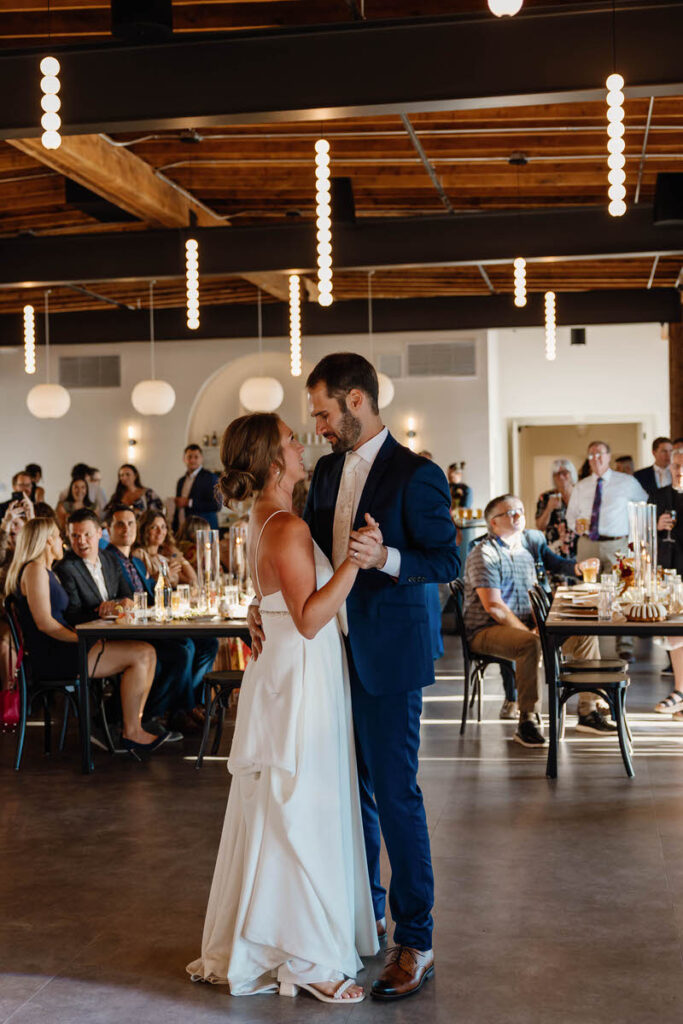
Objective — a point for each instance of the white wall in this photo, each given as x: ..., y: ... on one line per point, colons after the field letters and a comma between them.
x: 620, y: 374
x: 451, y: 415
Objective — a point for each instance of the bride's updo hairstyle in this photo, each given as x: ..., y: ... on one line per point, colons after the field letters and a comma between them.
x: 250, y: 446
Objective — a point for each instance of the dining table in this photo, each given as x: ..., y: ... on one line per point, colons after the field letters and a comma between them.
x: 106, y: 629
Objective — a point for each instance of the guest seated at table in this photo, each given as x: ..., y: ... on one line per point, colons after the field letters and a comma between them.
x: 42, y: 607
x: 551, y: 509
x: 76, y: 498
x: 18, y: 513
x: 182, y: 663
x: 131, y: 491
x: 499, y: 572
x: 79, y: 471
x: 157, y: 546
x: 36, y: 474
x: 186, y: 538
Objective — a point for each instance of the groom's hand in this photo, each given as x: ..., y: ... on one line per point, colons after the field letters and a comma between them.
x: 366, y: 546
x: 255, y: 626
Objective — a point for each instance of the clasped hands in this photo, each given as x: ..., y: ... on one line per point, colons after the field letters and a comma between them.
x: 109, y: 608
x: 366, y: 546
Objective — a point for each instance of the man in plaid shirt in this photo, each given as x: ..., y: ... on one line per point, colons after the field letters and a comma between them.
x: 499, y: 572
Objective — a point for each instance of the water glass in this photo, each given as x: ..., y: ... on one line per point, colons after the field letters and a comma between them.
x: 605, y: 597
x: 140, y: 607
x: 176, y: 605
x: 183, y: 591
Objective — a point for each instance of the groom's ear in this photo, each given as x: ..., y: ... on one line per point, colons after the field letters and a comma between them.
x: 355, y: 398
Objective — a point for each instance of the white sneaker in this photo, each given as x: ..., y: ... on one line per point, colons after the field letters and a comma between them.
x: 509, y: 709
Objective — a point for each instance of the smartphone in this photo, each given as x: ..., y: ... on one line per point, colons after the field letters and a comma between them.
x: 18, y: 495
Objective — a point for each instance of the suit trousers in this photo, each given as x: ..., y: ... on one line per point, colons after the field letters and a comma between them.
x: 387, y: 730
x: 606, y: 551
x: 524, y: 648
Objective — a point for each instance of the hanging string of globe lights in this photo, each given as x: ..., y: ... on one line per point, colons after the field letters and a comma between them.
x: 295, y: 324
x: 550, y: 326
x: 323, y: 221
x: 29, y: 340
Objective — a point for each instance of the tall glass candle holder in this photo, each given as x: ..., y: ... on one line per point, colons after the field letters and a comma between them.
x: 239, y: 566
x: 643, y: 541
x: 208, y: 569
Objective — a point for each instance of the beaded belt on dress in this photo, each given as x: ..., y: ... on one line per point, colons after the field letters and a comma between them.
x: 272, y: 611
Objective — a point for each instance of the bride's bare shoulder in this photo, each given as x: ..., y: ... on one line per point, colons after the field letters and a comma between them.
x: 285, y: 528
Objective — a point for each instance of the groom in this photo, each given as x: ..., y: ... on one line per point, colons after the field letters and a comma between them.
x: 387, y: 634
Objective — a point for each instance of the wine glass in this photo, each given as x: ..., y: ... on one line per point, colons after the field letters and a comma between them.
x: 674, y: 516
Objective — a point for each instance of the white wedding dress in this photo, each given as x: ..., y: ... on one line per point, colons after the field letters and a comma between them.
x: 290, y: 898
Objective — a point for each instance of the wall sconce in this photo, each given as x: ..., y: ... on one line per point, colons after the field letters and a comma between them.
x: 132, y: 442
x: 411, y: 433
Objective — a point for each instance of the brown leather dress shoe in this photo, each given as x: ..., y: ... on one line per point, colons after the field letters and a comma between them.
x: 405, y: 972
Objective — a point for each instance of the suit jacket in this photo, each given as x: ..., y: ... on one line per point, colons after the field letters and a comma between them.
x: 670, y: 555
x: 203, y: 498
x: 647, y: 479
x: 388, y: 624
x: 147, y: 580
x: 84, y: 597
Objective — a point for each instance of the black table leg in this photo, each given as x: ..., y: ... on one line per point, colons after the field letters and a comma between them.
x: 553, y: 715
x: 87, y: 765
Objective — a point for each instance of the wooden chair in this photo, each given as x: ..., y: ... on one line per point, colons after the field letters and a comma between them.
x: 475, y: 665
x: 217, y: 688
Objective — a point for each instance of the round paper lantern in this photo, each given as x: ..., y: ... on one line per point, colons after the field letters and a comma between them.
x: 261, y: 394
x: 502, y: 8
x: 48, y: 401
x: 386, y: 390
x: 153, y: 397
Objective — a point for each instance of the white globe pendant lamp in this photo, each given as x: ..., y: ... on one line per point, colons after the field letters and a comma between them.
x: 505, y: 8
x: 152, y: 397
x: 385, y: 395
x: 48, y: 401
x: 261, y: 394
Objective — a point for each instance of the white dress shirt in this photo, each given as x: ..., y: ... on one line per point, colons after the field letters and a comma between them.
x: 617, y: 490
x: 188, y: 483
x: 368, y: 454
x: 95, y: 570
x: 662, y: 476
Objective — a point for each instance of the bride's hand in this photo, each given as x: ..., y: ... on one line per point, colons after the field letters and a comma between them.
x: 371, y: 529
x: 366, y: 546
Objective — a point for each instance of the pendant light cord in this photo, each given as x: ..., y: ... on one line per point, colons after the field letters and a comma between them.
x: 614, y: 35
x: 151, y: 327
x: 259, y: 322
x: 370, y: 334
x: 47, y: 334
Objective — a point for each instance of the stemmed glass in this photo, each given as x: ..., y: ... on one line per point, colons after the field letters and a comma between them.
x: 674, y: 516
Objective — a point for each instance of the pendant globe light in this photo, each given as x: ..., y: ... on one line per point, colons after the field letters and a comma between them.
x: 386, y: 391
x: 152, y: 397
x: 505, y: 8
x: 261, y: 394
x: 48, y: 401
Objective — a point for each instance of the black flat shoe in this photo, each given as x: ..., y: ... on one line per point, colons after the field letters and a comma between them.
x: 135, y: 749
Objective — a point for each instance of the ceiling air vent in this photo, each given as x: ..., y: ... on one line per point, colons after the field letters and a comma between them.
x: 442, y: 359
x: 90, y: 371
x: 390, y: 363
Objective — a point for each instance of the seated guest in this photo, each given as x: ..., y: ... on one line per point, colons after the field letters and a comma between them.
x: 96, y: 491
x: 658, y: 474
x: 76, y: 498
x: 131, y: 491
x: 42, y: 607
x: 196, y: 491
x: 21, y: 490
x: 499, y: 572
x: 625, y: 464
x: 36, y: 474
x: 181, y: 663
x: 551, y: 509
x: 92, y: 578
x: 18, y: 513
x: 156, y: 546
x: 461, y: 494
x: 78, y: 471
x: 186, y: 538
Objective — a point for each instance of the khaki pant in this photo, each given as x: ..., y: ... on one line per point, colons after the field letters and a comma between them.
x: 524, y: 649
x: 606, y: 551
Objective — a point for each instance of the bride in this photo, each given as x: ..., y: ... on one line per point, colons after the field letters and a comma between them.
x: 290, y: 902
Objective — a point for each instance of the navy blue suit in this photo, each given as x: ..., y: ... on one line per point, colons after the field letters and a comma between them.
x: 203, y: 497
x: 648, y: 481
x: 390, y: 660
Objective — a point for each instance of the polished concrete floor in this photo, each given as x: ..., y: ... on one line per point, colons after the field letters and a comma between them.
x: 556, y: 902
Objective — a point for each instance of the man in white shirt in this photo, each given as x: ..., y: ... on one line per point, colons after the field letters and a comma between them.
x: 659, y: 473
x: 598, y: 512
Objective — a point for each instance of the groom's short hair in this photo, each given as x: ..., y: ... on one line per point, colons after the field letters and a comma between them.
x: 341, y: 372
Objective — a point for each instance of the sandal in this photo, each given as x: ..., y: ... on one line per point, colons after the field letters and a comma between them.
x: 289, y: 989
x: 674, y: 702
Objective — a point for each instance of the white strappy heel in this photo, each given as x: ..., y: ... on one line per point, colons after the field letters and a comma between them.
x: 287, y: 988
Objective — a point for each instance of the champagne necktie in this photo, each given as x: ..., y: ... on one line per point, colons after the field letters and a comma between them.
x: 343, y: 521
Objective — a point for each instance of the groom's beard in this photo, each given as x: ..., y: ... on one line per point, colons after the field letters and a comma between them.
x: 347, y: 433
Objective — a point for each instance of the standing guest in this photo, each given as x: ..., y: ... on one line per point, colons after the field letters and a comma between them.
x: 156, y: 547
x: 670, y: 556
x: 598, y: 513
x: 36, y: 474
x: 43, y: 606
x: 132, y: 492
x: 181, y: 663
x: 96, y: 491
x: 76, y: 498
x: 585, y: 470
x: 551, y: 509
x: 186, y: 538
x: 461, y: 494
x: 625, y: 464
x: 658, y: 474
x: 196, y: 491
x: 499, y: 573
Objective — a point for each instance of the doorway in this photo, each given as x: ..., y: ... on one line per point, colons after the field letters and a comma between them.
x: 537, y: 445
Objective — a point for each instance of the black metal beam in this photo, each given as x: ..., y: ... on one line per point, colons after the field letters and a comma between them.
x: 437, y: 314
x: 571, y: 233
x: 360, y: 69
